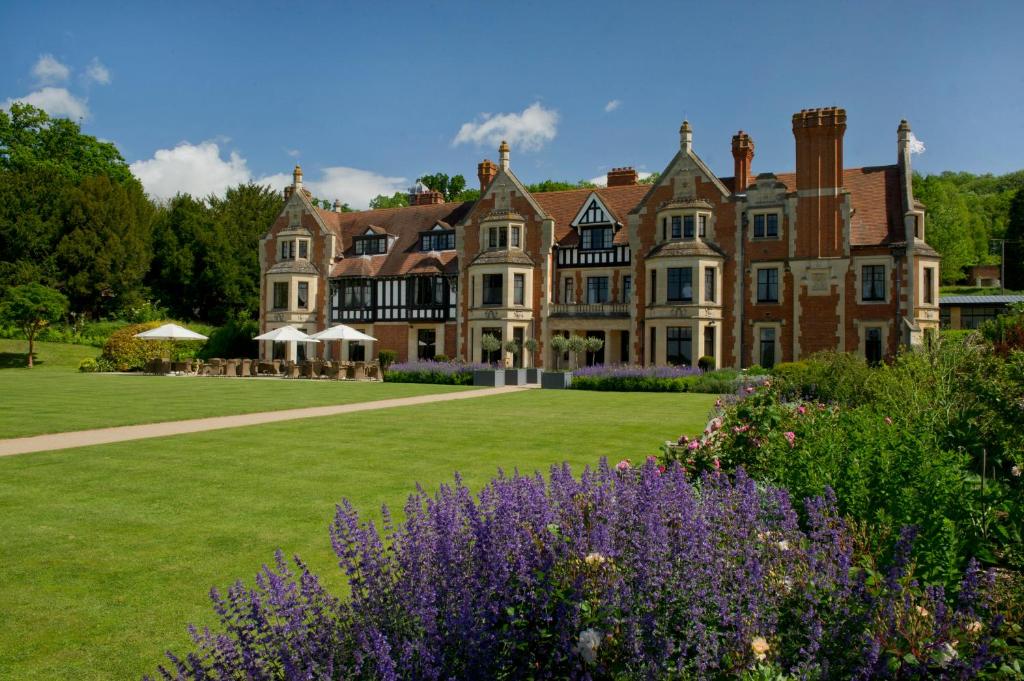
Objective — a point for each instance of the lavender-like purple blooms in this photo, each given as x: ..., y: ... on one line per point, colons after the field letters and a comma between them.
x: 638, y: 573
x: 626, y: 371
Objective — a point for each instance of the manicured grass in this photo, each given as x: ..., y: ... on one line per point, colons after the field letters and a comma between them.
x: 109, y: 551
x: 54, y: 398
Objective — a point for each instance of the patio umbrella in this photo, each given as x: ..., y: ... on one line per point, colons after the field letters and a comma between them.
x: 286, y: 334
x: 342, y: 333
x: 170, y: 332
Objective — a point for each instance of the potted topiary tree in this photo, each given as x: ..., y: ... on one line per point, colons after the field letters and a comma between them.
x: 515, y: 375
x: 557, y: 379
x: 706, y: 363
x: 532, y: 374
x: 489, y: 377
x: 577, y: 346
x: 593, y: 345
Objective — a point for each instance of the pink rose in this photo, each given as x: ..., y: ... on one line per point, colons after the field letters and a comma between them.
x: 801, y: 410
x: 790, y: 437
x: 694, y: 445
x: 623, y: 465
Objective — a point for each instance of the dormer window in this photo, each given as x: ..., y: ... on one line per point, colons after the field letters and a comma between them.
x: 438, y: 240
x: 370, y: 245
x: 766, y: 226
x: 596, y: 238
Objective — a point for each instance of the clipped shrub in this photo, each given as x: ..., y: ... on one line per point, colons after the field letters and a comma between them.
x: 560, y: 345
x: 440, y: 358
x: 386, y: 358
x: 624, y: 573
x: 234, y: 339
x: 126, y: 353
x: 825, y: 376
x: 706, y: 363
x: 446, y: 373
x: 88, y: 366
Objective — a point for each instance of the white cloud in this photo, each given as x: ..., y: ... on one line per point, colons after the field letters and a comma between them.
x: 529, y: 130
x: 56, y: 101
x: 200, y: 170
x: 196, y: 169
x: 916, y: 145
x: 49, y: 71
x: 97, y: 72
x: 602, y: 180
x: 294, y: 153
x: 612, y: 105
x: 354, y: 186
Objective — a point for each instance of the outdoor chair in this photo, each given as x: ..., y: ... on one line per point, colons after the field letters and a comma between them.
x: 307, y: 369
x: 246, y: 367
x: 292, y: 370
x: 231, y: 367
x: 373, y: 371
x: 336, y: 372
x: 359, y: 371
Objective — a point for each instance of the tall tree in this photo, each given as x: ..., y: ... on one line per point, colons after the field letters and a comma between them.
x: 105, y: 251
x: 396, y: 200
x: 31, y: 307
x: 1014, y: 265
x: 450, y: 187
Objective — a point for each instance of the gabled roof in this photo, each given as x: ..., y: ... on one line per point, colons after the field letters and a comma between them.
x: 565, y: 205
x: 404, y: 255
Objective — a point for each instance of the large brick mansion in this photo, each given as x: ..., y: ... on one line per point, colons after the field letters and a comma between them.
x: 745, y: 269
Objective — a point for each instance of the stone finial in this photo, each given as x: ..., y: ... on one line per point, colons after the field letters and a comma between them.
x: 337, y: 205
x: 297, y: 176
x: 685, y: 136
x: 503, y: 155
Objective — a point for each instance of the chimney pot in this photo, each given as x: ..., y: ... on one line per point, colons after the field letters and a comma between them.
x: 742, y: 155
x: 486, y: 171
x: 503, y: 155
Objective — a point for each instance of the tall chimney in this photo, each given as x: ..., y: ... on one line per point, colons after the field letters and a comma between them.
x: 486, y: 171
x: 622, y: 177
x: 742, y: 155
x: 819, y: 181
x: 503, y: 155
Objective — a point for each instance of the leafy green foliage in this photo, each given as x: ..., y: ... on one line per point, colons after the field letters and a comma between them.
x: 234, y: 339
x: 396, y: 200
x: 127, y: 353
x: 965, y: 211
x: 386, y: 358
x: 31, y: 307
x: 1014, y: 270
x: 558, y: 186
x: 451, y: 187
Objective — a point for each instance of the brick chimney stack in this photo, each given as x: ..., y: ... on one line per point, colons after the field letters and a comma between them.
x: 622, y: 177
x: 425, y: 198
x: 742, y: 155
x: 486, y: 171
x: 296, y: 182
x: 819, y: 181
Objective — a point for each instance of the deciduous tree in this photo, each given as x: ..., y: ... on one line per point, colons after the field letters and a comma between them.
x: 31, y: 307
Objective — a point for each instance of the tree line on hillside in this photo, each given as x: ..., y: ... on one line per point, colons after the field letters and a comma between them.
x: 73, y: 218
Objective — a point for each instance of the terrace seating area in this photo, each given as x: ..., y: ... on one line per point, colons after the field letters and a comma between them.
x: 250, y: 368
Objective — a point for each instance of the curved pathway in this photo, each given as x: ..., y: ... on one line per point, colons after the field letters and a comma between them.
x: 100, y: 436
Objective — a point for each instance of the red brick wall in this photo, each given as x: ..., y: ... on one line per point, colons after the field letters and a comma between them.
x: 393, y: 337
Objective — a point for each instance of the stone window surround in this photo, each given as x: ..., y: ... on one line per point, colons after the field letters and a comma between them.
x: 862, y: 325
x: 281, y: 240
x: 662, y: 265
x: 697, y: 348
x: 293, y: 292
x: 858, y: 273
x: 485, y: 228
x: 507, y: 272
x: 775, y: 264
x: 762, y: 210
x: 922, y: 266
x: 755, y: 353
x: 669, y: 213
x: 413, y: 338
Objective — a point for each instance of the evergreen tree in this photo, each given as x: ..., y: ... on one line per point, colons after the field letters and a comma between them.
x: 1014, y: 253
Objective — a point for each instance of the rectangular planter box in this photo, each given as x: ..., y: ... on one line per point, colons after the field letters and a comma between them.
x: 556, y: 380
x: 515, y: 376
x: 494, y: 378
x: 533, y: 376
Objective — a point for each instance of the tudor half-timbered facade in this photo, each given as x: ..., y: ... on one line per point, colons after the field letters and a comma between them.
x: 748, y: 269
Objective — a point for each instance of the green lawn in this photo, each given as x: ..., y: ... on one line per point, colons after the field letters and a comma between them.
x: 109, y: 551
x: 54, y: 397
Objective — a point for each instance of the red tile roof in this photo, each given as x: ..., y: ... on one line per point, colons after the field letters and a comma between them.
x: 874, y: 195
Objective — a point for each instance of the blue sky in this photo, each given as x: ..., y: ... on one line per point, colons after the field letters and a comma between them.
x: 369, y: 95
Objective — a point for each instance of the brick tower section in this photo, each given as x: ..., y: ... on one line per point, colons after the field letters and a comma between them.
x: 819, y: 182
x: 742, y: 156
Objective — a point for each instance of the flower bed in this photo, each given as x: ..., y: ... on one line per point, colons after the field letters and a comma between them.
x: 429, y: 371
x: 622, y: 378
x: 623, y: 573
